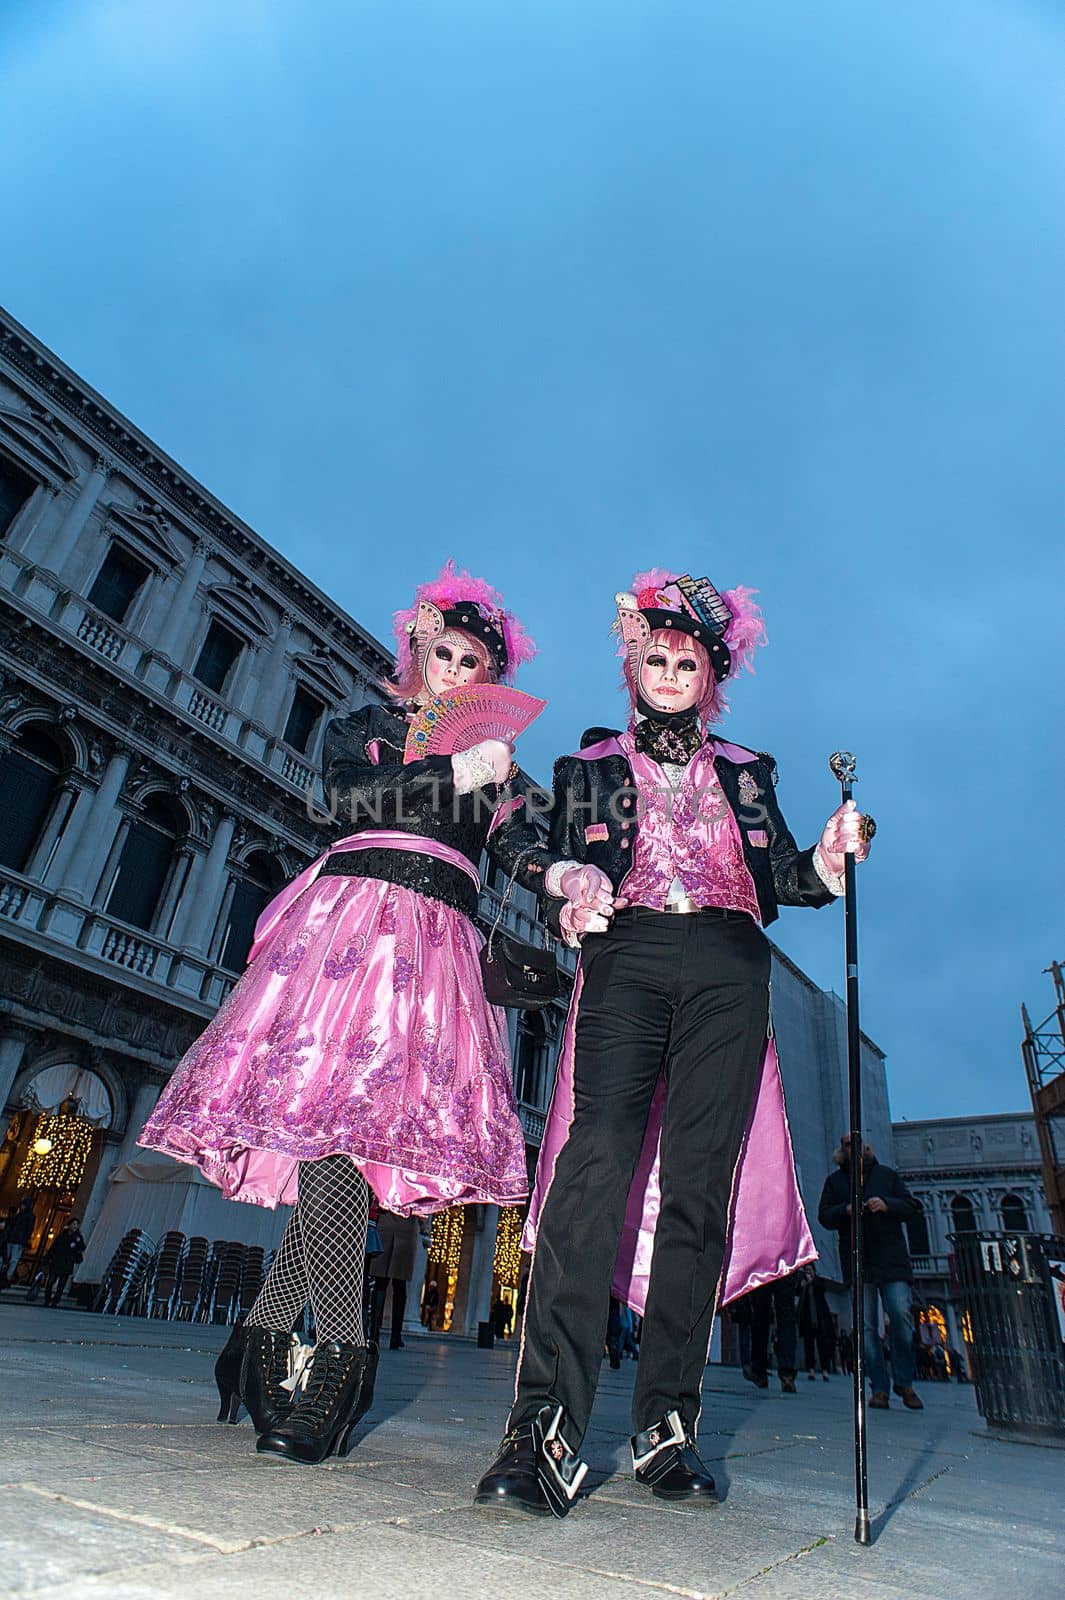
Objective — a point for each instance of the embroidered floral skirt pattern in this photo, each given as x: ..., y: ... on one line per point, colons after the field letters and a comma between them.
x: 360, y: 1028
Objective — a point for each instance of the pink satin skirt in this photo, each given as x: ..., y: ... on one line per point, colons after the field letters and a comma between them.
x: 360, y: 1028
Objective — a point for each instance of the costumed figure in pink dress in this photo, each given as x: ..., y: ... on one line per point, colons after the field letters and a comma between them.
x: 358, y: 1048
x: 666, y: 1174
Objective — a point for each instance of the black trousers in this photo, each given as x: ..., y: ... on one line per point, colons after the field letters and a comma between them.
x: 773, y: 1300
x: 687, y: 996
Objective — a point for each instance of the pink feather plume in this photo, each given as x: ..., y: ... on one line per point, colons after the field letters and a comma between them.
x: 450, y: 588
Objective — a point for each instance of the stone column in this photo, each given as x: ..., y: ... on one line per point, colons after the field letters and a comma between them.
x: 479, y: 1293
x: 214, y: 949
x: 196, y: 919
x: 13, y: 1041
x: 29, y: 518
x: 274, y: 683
x: 237, y: 692
x: 179, y: 877
x: 95, y: 836
x: 100, y: 882
x: 170, y: 636
x: 73, y: 524
x: 56, y: 830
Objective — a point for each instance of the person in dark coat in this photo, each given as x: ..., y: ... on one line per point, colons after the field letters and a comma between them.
x: 815, y: 1323
x: 18, y: 1232
x: 67, y: 1251
x: 502, y: 1319
x: 393, y: 1264
x: 886, y: 1205
x: 773, y: 1301
x: 845, y: 1347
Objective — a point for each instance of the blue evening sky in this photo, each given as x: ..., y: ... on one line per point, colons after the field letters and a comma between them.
x: 767, y: 291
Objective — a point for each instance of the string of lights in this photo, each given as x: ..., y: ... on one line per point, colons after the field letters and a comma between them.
x: 58, y: 1154
x: 507, y: 1262
x: 445, y: 1244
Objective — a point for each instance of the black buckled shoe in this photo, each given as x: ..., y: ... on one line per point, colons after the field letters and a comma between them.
x: 323, y: 1417
x: 665, y: 1459
x: 536, y: 1472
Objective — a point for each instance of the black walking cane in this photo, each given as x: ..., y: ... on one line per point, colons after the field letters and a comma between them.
x: 843, y: 765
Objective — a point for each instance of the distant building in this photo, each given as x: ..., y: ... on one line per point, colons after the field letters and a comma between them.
x: 968, y: 1173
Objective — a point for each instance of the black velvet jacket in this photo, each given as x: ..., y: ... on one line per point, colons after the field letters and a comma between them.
x: 417, y: 798
x: 594, y: 820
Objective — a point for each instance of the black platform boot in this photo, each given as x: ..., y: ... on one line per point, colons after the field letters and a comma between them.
x: 262, y: 1375
x: 665, y: 1459
x: 322, y: 1421
x: 536, y: 1472
x: 227, y: 1375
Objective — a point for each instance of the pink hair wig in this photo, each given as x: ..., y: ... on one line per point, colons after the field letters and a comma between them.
x: 449, y: 589
x: 745, y: 632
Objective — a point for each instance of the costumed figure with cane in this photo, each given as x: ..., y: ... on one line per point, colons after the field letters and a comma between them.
x: 358, y: 1050
x: 666, y: 1173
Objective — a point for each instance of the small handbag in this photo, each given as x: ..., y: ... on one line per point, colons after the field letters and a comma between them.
x: 517, y: 975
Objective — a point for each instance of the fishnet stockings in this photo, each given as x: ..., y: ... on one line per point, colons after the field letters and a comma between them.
x: 321, y: 1255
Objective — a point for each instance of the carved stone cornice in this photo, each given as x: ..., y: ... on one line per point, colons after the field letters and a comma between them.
x: 56, y: 995
x: 118, y: 440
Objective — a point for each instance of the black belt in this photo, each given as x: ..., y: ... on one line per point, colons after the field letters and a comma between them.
x: 409, y: 869
x: 718, y: 913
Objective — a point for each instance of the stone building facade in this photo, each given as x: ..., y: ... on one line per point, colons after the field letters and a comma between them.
x: 968, y: 1173
x: 165, y: 681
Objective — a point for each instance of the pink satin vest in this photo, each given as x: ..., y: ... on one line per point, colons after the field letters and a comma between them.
x: 691, y: 835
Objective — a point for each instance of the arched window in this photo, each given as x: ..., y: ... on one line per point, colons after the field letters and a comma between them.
x: 144, y: 865
x: 1014, y: 1214
x: 29, y: 777
x: 917, y: 1232
x: 261, y: 877
x: 962, y: 1214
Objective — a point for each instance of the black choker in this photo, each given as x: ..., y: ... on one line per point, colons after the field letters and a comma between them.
x: 671, y: 736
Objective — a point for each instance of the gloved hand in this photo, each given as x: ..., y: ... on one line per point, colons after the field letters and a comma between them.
x: 846, y: 829
x: 587, y: 886
x: 576, y: 921
x: 487, y: 762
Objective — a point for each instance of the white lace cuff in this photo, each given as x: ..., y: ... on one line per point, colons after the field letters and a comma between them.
x: 471, y: 771
x: 833, y: 881
x: 553, y: 877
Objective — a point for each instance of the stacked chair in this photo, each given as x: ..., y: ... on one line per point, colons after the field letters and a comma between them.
x: 164, y: 1276
x: 126, y: 1273
x: 251, y: 1279
x: 183, y: 1280
x: 225, y: 1294
x: 189, y: 1301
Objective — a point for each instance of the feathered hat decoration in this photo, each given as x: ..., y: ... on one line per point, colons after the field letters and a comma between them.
x: 457, y: 600
x: 728, y: 625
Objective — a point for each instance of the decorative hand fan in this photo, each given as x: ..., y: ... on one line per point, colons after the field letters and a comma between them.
x: 464, y: 717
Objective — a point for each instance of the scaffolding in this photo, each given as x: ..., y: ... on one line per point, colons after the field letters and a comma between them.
x: 1043, y: 1048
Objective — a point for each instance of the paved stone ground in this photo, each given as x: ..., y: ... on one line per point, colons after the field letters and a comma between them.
x: 117, y: 1483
